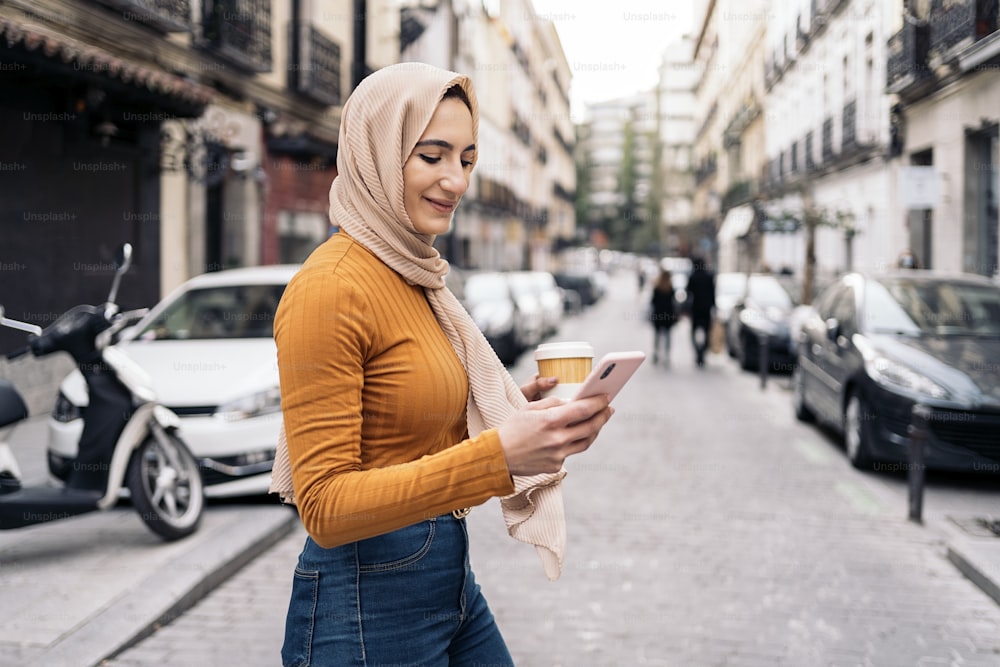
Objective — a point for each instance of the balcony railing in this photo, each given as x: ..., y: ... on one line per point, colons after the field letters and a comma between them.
x: 827, y: 139
x: 849, y: 125
x: 164, y: 15
x: 240, y: 32
x: 705, y: 170
x: 907, y: 56
x: 314, y: 70
x: 960, y: 23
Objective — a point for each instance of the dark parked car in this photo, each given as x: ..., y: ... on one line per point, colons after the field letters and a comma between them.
x: 764, y: 309
x: 582, y: 283
x: 876, y: 345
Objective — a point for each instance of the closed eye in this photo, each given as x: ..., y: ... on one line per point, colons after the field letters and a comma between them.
x: 429, y: 159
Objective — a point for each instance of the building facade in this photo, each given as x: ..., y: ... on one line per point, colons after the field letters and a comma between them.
x: 729, y: 138
x: 675, y: 92
x: 202, y: 132
x: 944, y: 69
x: 828, y: 135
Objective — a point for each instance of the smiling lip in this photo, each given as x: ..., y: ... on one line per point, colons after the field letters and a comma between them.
x: 440, y: 205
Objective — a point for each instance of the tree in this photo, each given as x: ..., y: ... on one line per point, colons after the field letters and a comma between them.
x: 581, y: 203
x: 810, y: 218
x: 623, y: 229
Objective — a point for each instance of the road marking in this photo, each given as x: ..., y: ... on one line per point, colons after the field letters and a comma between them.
x: 860, y: 498
x: 812, y: 452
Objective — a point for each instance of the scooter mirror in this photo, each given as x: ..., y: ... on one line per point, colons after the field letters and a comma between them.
x: 123, y: 260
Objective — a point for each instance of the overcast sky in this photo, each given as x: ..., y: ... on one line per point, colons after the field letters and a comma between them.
x: 614, y: 48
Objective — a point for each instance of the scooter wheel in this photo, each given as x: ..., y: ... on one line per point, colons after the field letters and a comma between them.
x: 166, y: 486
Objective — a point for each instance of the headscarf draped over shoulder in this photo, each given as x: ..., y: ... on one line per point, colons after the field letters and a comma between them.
x: 380, y: 125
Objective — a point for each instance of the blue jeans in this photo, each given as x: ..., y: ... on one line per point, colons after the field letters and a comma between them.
x: 406, y: 598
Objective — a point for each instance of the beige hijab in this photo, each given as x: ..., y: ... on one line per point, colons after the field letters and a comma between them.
x: 381, y: 123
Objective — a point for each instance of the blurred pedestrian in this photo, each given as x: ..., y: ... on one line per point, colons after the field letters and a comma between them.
x: 701, y: 297
x: 397, y: 414
x: 662, y: 314
x: 907, y: 260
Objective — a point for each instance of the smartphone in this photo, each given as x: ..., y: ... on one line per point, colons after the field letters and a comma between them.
x: 611, y: 373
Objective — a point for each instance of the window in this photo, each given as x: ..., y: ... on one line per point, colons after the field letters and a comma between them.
x: 299, y: 233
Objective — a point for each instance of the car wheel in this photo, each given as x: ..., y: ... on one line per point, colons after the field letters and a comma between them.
x: 802, y: 411
x: 857, y: 420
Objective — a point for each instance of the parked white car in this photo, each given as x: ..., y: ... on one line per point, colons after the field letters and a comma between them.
x: 548, y: 294
x: 528, y: 309
x: 209, y: 349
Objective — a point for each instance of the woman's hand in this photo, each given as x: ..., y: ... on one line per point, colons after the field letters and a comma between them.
x: 537, y: 386
x: 539, y: 437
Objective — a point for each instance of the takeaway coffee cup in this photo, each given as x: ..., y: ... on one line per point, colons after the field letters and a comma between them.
x: 570, y: 361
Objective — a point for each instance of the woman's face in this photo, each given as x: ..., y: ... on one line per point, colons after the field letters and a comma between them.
x: 437, y: 173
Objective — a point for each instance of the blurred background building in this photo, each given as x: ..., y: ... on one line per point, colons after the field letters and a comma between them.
x: 780, y: 135
x: 944, y: 74
x: 204, y: 133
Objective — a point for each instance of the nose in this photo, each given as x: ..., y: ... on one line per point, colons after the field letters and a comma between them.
x: 455, y: 180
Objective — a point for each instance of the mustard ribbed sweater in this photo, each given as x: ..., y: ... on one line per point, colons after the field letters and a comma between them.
x: 374, y: 402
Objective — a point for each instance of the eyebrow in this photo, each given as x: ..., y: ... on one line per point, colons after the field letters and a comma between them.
x: 443, y: 144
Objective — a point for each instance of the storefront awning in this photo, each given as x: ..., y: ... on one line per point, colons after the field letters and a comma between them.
x: 737, y: 223
x: 34, y: 46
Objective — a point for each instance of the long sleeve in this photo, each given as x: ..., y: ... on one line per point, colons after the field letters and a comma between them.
x: 374, y: 400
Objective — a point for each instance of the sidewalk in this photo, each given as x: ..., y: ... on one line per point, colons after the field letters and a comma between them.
x: 79, y: 590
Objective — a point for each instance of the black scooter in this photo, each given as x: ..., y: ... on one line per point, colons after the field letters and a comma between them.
x: 128, y: 438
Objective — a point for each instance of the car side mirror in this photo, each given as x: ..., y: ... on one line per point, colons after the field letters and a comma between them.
x: 832, y: 328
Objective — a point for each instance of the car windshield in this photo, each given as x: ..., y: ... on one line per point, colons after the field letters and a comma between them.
x: 230, y: 311
x: 768, y: 292
x: 915, y: 307
x: 479, y: 289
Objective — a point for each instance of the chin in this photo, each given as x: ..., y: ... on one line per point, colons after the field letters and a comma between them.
x: 433, y: 227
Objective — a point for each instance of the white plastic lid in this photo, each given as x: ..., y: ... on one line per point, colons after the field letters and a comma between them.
x: 561, y: 350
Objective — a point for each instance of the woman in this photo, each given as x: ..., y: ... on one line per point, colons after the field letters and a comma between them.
x: 398, y: 415
x: 662, y: 314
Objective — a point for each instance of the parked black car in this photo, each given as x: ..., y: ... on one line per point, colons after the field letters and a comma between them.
x: 582, y: 283
x: 764, y: 309
x: 876, y: 345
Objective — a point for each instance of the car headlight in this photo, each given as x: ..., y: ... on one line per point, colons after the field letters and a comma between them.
x: 255, y: 405
x: 893, y: 374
